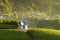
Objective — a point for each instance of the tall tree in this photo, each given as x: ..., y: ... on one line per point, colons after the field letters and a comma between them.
x: 7, y: 9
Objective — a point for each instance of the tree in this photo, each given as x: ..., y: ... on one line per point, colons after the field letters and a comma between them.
x: 7, y: 9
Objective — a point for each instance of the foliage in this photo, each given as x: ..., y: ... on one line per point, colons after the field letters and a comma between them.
x: 5, y: 24
x: 6, y: 10
x: 30, y: 8
x: 33, y: 8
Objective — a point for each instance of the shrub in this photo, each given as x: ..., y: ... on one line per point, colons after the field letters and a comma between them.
x: 5, y: 24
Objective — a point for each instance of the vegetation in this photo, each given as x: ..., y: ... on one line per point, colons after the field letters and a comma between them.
x: 31, y: 10
x: 53, y: 24
x: 45, y: 34
x: 37, y: 9
x: 38, y: 34
x: 40, y: 14
x: 12, y: 35
x: 5, y: 24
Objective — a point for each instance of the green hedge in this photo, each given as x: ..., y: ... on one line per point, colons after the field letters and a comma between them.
x: 5, y: 24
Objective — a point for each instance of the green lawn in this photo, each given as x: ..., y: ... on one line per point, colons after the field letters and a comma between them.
x: 38, y: 34
x: 45, y: 34
x: 10, y: 34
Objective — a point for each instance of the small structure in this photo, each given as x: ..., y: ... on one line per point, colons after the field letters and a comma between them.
x: 24, y: 25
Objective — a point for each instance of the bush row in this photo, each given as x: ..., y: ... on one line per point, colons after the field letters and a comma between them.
x: 6, y: 24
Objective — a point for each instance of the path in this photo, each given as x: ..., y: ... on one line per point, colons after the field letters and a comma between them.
x: 29, y: 36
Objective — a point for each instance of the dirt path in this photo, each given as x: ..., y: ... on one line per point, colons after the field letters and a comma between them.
x: 29, y: 36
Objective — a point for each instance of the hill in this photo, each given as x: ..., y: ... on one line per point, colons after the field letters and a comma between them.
x: 32, y: 8
x: 45, y: 34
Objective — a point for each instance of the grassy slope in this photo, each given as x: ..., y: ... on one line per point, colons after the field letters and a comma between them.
x: 38, y: 34
x: 12, y: 35
x: 45, y: 34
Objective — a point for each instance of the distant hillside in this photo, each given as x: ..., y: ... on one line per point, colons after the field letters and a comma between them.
x: 34, y: 7
x: 38, y: 9
x: 37, y: 5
